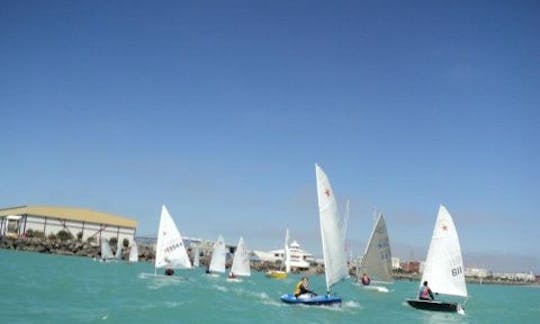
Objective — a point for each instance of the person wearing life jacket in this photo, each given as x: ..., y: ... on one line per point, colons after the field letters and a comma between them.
x: 302, y: 287
x: 365, y: 279
x: 425, y: 293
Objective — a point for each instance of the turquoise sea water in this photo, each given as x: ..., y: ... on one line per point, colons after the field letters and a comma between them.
x: 50, y: 288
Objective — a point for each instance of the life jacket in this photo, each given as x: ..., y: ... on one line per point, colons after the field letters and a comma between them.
x: 424, y: 293
x: 298, y: 290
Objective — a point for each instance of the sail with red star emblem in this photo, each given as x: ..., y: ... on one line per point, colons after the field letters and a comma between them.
x: 444, y: 269
x: 332, y: 232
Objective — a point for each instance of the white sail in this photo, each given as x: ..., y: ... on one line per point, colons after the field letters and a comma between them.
x: 444, y: 270
x: 118, y: 254
x: 106, y: 252
x: 332, y: 232
x: 170, y: 249
x: 134, y: 253
x: 196, y: 257
x: 240, y: 265
x: 287, y: 253
x: 217, y: 263
x: 346, y: 218
x: 377, y: 260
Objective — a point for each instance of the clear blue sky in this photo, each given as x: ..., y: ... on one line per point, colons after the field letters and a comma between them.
x: 220, y: 110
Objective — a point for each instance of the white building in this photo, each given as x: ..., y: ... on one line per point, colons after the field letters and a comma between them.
x: 395, y: 263
x: 421, y: 266
x: 520, y: 276
x: 478, y: 272
x: 23, y: 220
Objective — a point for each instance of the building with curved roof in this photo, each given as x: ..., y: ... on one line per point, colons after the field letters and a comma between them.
x: 16, y: 221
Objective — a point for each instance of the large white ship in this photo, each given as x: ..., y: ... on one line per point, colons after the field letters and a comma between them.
x: 300, y: 259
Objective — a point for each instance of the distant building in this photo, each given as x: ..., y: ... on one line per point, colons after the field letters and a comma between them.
x: 421, y: 266
x: 18, y: 221
x: 395, y: 263
x: 300, y: 259
x: 411, y: 266
x: 478, y: 272
x: 517, y: 276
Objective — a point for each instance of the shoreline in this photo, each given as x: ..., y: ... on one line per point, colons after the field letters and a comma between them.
x: 147, y: 254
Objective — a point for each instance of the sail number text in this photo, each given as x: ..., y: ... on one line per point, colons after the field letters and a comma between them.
x: 457, y: 271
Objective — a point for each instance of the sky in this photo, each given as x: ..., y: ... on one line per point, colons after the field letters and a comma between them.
x: 220, y: 110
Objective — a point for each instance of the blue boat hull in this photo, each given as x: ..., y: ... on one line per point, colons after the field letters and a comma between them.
x: 316, y: 300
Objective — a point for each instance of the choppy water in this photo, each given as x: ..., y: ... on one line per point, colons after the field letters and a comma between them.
x: 50, y: 288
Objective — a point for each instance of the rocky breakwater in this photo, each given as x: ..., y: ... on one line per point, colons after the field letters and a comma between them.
x: 68, y: 247
x: 79, y: 248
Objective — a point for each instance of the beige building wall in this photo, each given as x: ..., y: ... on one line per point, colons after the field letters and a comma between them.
x: 51, y: 220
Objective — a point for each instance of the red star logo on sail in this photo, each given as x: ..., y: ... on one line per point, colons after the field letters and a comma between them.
x: 327, y: 192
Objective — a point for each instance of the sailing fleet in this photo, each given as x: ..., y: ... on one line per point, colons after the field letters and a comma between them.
x: 443, y: 273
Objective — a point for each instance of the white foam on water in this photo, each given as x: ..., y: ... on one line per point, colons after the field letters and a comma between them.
x: 173, y: 304
x: 352, y: 304
x: 221, y: 288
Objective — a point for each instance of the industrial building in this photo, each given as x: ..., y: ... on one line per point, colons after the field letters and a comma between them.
x: 17, y: 221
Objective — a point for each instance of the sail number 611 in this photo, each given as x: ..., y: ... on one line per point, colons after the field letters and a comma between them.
x: 457, y: 271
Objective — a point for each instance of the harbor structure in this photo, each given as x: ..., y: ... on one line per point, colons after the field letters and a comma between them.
x: 81, y: 223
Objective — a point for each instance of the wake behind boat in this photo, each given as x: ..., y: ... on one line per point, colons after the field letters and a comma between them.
x: 444, y: 267
x: 333, y: 246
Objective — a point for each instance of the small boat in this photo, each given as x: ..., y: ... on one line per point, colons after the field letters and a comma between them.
x: 197, y: 257
x: 118, y: 254
x: 170, y: 250
x: 312, y: 300
x: 377, y: 260
x: 444, y: 267
x: 333, y: 245
x: 106, y: 251
x: 282, y: 274
x: 133, y: 253
x: 217, y: 262
x: 240, y: 265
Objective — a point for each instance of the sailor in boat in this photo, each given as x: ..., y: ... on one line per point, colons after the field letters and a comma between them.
x: 302, y: 289
x: 365, y: 279
x: 169, y: 272
x: 425, y: 293
x: 232, y: 275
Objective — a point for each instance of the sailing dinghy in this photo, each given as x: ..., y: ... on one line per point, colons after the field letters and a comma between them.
x: 197, y: 257
x: 281, y: 274
x: 134, y: 253
x: 333, y: 245
x: 170, y: 250
x: 106, y: 251
x: 118, y: 254
x: 217, y: 263
x: 444, y: 266
x: 240, y: 265
x: 377, y: 260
